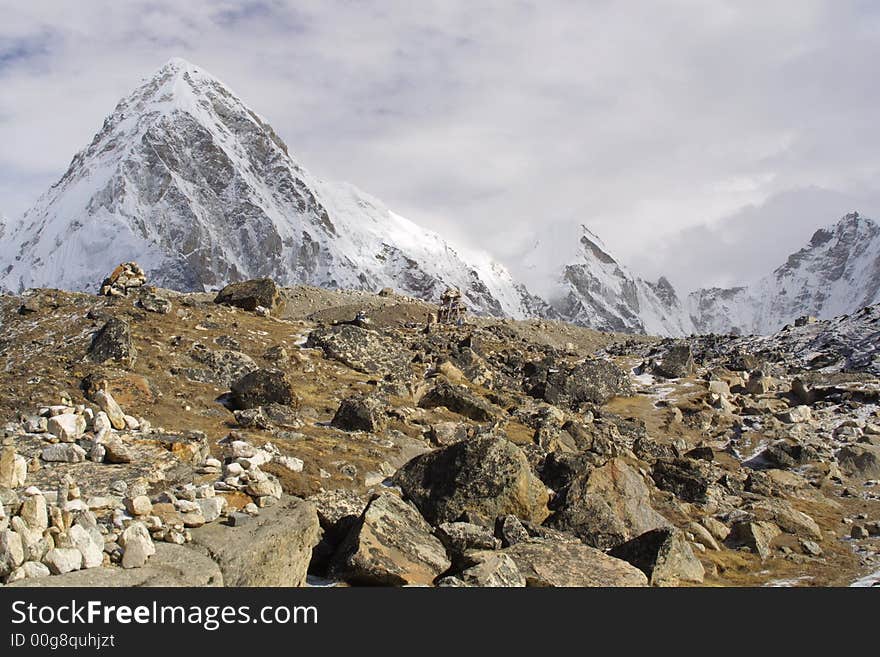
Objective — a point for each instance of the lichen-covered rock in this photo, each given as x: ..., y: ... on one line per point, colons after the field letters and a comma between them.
x: 113, y: 342
x: 223, y: 366
x: 459, y: 399
x: 484, y: 477
x: 360, y: 413
x: 494, y: 570
x: 687, y: 478
x: 261, y: 387
x: 154, y: 303
x: 459, y: 537
x: 63, y: 453
x: 677, y: 362
x: 545, y: 562
x: 363, y: 350
x: 593, y: 381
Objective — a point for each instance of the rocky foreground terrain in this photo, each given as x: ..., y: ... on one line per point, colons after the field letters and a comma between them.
x: 287, y: 436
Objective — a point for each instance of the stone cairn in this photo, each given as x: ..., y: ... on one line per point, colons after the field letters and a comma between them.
x: 126, y: 277
x: 50, y: 532
x: 451, y: 309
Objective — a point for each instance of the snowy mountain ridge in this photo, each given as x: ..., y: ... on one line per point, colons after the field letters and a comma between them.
x: 187, y: 180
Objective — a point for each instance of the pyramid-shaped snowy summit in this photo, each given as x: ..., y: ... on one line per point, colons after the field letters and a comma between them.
x: 186, y: 179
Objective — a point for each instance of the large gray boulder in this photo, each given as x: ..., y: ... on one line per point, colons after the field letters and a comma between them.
x: 756, y: 535
x: 262, y: 387
x: 607, y: 506
x: 363, y: 350
x: 492, y: 569
x: 391, y: 545
x: 223, y: 366
x: 274, y: 549
x: 483, y: 477
x: 360, y: 413
x: 677, y: 362
x: 687, y: 478
x: 594, y: 381
x: 251, y: 294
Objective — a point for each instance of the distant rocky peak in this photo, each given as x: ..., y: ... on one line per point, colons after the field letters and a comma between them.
x: 594, y: 247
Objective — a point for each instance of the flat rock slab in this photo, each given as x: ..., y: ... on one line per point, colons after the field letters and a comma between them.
x: 274, y: 549
x: 172, y: 565
x: 554, y: 563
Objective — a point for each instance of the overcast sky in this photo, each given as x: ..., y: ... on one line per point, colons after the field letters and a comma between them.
x: 703, y: 139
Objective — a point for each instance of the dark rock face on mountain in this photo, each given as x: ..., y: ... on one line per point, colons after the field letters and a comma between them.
x: 837, y: 272
x: 592, y: 288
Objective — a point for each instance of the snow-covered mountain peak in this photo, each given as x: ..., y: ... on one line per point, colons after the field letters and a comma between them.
x: 586, y: 284
x: 190, y: 182
x: 836, y: 272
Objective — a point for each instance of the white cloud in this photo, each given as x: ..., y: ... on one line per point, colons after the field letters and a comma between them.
x: 490, y: 120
